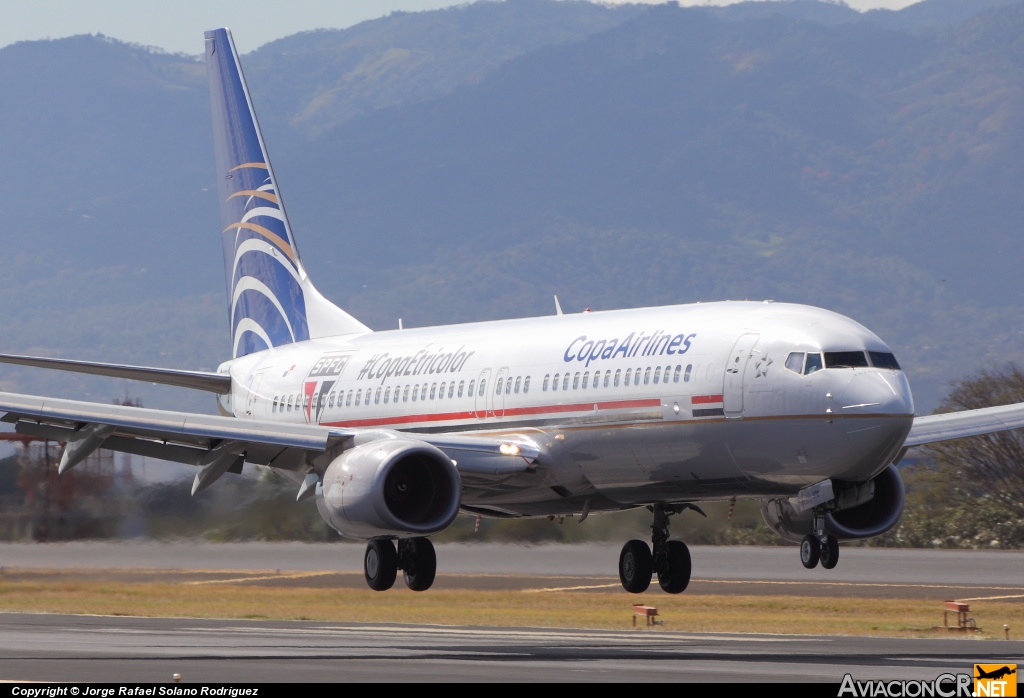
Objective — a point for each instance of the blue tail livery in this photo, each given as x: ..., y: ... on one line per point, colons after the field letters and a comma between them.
x: 271, y: 301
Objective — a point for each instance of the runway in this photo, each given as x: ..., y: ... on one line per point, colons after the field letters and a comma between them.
x: 39, y: 647
x: 101, y: 649
x: 747, y: 570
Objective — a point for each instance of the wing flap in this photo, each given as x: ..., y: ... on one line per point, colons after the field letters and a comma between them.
x: 955, y: 425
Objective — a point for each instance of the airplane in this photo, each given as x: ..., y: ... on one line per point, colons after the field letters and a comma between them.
x: 395, y: 432
x: 995, y: 673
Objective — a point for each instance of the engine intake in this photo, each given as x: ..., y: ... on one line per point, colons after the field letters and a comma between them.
x: 864, y: 520
x: 397, y: 487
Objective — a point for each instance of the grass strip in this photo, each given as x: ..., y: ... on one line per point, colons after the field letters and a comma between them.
x: 563, y: 609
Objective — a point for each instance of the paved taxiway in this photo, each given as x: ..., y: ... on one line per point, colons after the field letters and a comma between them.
x: 103, y: 649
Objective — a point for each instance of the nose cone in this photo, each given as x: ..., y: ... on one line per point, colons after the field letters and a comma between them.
x: 876, y: 392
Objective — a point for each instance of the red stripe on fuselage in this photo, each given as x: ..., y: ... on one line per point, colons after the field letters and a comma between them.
x: 705, y: 399
x: 509, y: 412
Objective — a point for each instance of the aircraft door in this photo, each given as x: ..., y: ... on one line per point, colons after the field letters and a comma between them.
x: 500, y: 389
x: 482, y: 395
x: 732, y: 391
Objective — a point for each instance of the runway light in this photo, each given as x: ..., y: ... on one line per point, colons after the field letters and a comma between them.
x: 509, y: 449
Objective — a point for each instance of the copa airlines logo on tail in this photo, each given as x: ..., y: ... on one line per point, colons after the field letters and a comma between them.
x: 265, y: 268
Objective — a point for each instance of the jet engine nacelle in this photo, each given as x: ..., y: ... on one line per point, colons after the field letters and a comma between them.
x: 390, y: 487
x: 872, y: 508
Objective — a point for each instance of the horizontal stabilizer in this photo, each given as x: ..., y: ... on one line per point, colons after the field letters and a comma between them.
x: 219, y: 383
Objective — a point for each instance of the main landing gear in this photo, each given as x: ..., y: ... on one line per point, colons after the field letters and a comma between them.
x: 819, y: 547
x: 670, y: 559
x: 414, y: 556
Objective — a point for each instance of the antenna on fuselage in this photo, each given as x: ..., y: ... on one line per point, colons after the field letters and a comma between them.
x: 400, y: 324
x: 558, y: 307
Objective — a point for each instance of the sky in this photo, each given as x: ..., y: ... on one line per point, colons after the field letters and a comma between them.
x: 177, y: 25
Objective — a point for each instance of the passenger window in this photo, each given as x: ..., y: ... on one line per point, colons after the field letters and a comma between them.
x: 348, y: 399
x: 575, y: 380
x: 376, y: 397
x: 497, y: 389
x: 675, y: 376
x: 554, y: 383
x: 359, y: 395
x: 617, y: 372
x: 461, y: 384
x: 405, y: 394
x: 508, y: 386
x: 451, y: 389
x: 471, y: 383
x: 423, y: 392
x: 483, y: 387
x: 882, y: 359
x: 433, y: 390
x: 330, y: 400
x: 647, y: 375
x: 440, y: 392
x: 415, y: 392
x: 686, y: 375
x: 544, y: 385
x: 657, y: 375
x: 387, y: 395
x: 597, y: 379
x: 274, y: 406
x: 517, y: 384
x: 795, y: 362
x: 586, y: 378
x: 629, y: 372
x: 289, y: 403
x: 607, y: 378
x: 306, y: 403
x: 813, y: 364
x: 636, y: 376
x: 526, y: 385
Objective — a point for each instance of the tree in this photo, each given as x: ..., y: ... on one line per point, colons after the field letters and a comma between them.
x: 989, y: 467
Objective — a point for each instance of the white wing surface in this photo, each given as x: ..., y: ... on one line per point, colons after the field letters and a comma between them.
x: 954, y: 425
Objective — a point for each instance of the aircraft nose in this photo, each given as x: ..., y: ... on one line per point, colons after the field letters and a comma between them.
x: 876, y: 392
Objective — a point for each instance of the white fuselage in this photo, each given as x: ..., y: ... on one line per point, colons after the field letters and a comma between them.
x: 675, y: 403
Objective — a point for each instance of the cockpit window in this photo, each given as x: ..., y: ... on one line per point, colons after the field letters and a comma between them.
x: 883, y: 359
x: 845, y: 359
x: 795, y: 361
x: 813, y: 364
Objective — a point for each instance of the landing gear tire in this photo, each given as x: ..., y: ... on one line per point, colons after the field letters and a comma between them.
x: 380, y: 564
x: 419, y: 563
x: 676, y: 577
x: 830, y: 553
x: 810, y: 551
x: 636, y: 566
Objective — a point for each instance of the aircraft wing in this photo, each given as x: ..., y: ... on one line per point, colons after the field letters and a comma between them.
x: 219, y: 383
x: 221, y: 444
x: 954, y: 425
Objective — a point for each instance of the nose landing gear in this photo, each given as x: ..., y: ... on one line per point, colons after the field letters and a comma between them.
x: 414, y: 556
x: 670, y: 559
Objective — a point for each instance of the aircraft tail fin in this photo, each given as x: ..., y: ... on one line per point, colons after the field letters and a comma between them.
x: 271, y: 300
